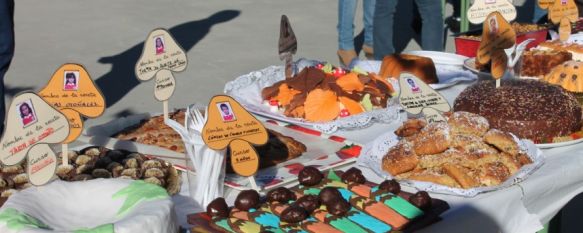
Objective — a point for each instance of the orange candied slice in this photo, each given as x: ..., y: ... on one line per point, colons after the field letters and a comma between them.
x: 352, y: 106
x: 350, y: 82
x: 321, y: 105
x: 285, y: 94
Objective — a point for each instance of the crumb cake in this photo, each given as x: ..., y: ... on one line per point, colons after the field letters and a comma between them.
x: 537, y: 63
x: 527, y: 108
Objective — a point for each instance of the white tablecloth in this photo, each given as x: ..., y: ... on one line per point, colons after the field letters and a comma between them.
x: 521, y: 208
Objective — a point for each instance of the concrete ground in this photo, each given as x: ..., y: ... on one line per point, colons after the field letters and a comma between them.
x: 223, y: 39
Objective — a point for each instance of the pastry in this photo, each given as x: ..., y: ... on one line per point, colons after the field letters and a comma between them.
x: 474, y: 155
x: 422, y: 67
x: 538, y: 63
x: 527, y: 108
x: 100, y: 205
x: 327, y: 206
x: 576, y: 50
x: 153, y: 131
x: 400, y: 159
x: 320, y: 94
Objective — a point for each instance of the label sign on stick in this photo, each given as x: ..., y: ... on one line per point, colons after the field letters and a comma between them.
x: 161, y: 52
x: 244, y: 159
x: 41, y: 164
x: 415, y: 96
x: 30, y: 120
x: 497, y: 35
x: 227, y: 121
x: 563, y: 8
x: 72, y: 91
x: 482, y: 8
x: 165, y: 85
x: 565, y: 29
x: 229, y: 124
x: 432, y: 115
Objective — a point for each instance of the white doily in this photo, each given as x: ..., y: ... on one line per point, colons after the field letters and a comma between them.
x: 373, y: 153
x: 247, y: 90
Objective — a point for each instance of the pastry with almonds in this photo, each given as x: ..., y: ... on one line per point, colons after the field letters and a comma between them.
x: 323, y: 93
x: 464, y: 152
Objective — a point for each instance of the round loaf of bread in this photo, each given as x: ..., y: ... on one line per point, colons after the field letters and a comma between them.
x: 422, y: 67
x: 527, y: 108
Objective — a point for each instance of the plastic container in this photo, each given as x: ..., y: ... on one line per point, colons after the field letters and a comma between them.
x: 469, y: 47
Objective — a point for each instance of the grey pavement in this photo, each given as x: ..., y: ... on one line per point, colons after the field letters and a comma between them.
x: 223, y: 39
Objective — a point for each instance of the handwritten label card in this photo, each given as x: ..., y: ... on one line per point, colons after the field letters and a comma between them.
x: 41, y: 164
x: 563, y: 12
x: 563, y: 8
x: 431, y: 115
x: 161, y: 52
x: 72, y: 91
x: 165, y: 85
x: 482, y: 8
x: 244, y: 159
x: 229, y: 124
x: 497, y: 35
x: 30, y: 121
x: 416, y: 96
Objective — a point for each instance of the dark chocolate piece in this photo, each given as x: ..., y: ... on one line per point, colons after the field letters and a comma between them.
x: 338, y: 207
x: 391, y: 186
x: 82, y: 177
x: 353, y: 175
x: 103, y: 162
x: 421, y: 199
x: 293, y: 214
x: 248, y: 199
x: 280, y: 194
x: 308, y: 202
x: 329, y: 194
x: 218, y: 207
x: 116, y: 155
x: 310, y: 176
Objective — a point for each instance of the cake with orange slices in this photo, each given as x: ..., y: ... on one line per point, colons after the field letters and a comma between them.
x: 323, y: 93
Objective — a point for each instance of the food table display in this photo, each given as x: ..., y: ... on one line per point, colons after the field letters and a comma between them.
x: 411, y: 143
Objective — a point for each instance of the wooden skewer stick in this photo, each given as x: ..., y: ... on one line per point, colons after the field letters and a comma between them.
x: 65, y: 153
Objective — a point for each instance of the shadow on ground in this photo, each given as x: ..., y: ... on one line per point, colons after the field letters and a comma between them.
x: 122, y: 64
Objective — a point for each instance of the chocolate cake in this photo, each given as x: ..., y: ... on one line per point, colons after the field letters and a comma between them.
x: 527, y: 108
